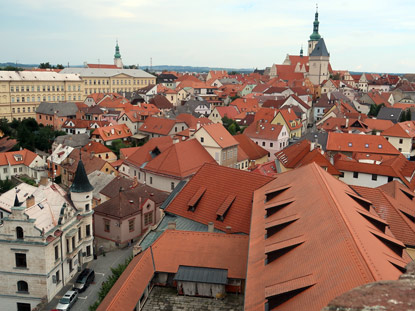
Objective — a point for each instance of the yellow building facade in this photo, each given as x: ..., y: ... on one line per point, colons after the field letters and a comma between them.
x: 103, y: 80
x: 22, y: 91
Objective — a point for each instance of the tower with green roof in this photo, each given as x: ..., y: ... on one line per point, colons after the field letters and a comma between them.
x: 315, y: 36
x: 117, y: 57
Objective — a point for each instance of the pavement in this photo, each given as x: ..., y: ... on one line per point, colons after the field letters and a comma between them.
x: 102, y: 267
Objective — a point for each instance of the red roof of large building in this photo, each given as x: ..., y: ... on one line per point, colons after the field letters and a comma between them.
x: 144, y: 153
x: 228, y: 111
x: 216, y: 192
x: 180, y: 160
x: 95, y: 147
x: 172, y: 249
x: 313, y: 235
x: 397, y: 211
x: 342, y: 142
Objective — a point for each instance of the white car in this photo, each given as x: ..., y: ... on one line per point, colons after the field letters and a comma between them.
x: 67, y: 301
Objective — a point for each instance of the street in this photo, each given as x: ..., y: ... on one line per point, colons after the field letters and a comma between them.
x: 102, y: 267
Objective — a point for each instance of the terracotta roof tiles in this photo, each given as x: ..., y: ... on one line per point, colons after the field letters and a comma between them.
x: 220, y: 182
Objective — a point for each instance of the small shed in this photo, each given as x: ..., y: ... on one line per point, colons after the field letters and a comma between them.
x: 200, y: 281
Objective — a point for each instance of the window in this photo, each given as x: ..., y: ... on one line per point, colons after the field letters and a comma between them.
x: 355, y: 174
x: 67, y: 246
x: 22, y: 287
x: 106, y: 225
x: 57, y: 276
x: 73, y: 243
x: 148, y: 219
x: 20, y: 260
x: 350, y: 144
x: 366, y: 145
x: 131, y: 224
x: 79, y: 234
x: 374, y: 177
x: 87, y: 207
x: 5, y: 170
x: 263, y: 144
x: 15, y: 169
x: 56, y: 252
x: 70, y: 265
x: 151, y: 180
x: 202, y: 139
x: 19, y: 233
x: 88, y: 251
x: 172, y: 186
x: 390, y: 178
x: 271, y: 145
x: 400, y: 140
x: 88, y: 230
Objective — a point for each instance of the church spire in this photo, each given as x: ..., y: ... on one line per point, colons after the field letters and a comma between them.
x: 117, y: 51
x: 315, y: 36
x: 301, y: 51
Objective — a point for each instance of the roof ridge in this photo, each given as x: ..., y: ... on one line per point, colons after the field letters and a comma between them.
x: 360, y: 249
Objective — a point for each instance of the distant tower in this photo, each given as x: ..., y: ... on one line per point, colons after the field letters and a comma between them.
x: 315, y: 36
x: 117, y: 57
x: 301, y: 51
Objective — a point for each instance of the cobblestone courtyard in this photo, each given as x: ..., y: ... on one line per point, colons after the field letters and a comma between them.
x: 166, y: 299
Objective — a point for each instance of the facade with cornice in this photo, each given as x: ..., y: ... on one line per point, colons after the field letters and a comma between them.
x: 45, y: 237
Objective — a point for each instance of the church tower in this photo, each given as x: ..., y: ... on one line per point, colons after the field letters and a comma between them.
x: 117, y: 57
x: 315, y: 36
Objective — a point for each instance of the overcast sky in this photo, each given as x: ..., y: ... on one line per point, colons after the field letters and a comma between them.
x: 361, y: 35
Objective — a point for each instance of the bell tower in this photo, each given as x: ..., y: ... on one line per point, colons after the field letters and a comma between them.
x: 117, y: 57
x: 315, y: 36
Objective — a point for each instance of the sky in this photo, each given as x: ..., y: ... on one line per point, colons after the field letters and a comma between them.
x: 363, y: 35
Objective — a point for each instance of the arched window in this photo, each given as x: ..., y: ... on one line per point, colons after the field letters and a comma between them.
x: 19, y: 233
x: 22, y: 286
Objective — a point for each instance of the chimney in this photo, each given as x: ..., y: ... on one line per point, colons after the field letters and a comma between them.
x: 43, y: 181
x: 30, y: 201
x: 312, y: 146
x: 289, y: 110
x: 228, y: 229
x: 171, y: 225
x: 92, y: 155
x: 211, y: 227
x: 347, y: 122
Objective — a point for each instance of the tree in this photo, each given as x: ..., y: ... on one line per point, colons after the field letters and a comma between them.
x: 116, y: 146
x: 232, y: 127
x: 45, y: 65
x: 11, y: 68
x: 374, y: 109
x: 109, y: 282
x: 59, y: 66
x: 5, y: 185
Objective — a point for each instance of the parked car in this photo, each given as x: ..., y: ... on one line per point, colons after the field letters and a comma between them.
x: 67, y: 301
x: 83, y: 280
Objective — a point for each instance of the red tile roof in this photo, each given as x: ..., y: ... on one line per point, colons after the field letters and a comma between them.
x: 24, y: 156
x: 398, y: 212
x: 219, y: 182
x: 342, y: 142
x: 103, y: 66
x: 393, y: 166
x: 266, y: 169
x: 220, y: 135
x: 160, y: 126
x: 171, y: 250
x: 300, y: 216
x: 402, y: 129
x: 266, y: 114
x: 250, y: 148
x: 126, y: 152
x: 227, y: 111
x: 161, y: 102
x: 143, y: 154
x: 95, y: 147
x: 262, y: 130
x: 180, y: 160
x: 108, y: 133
